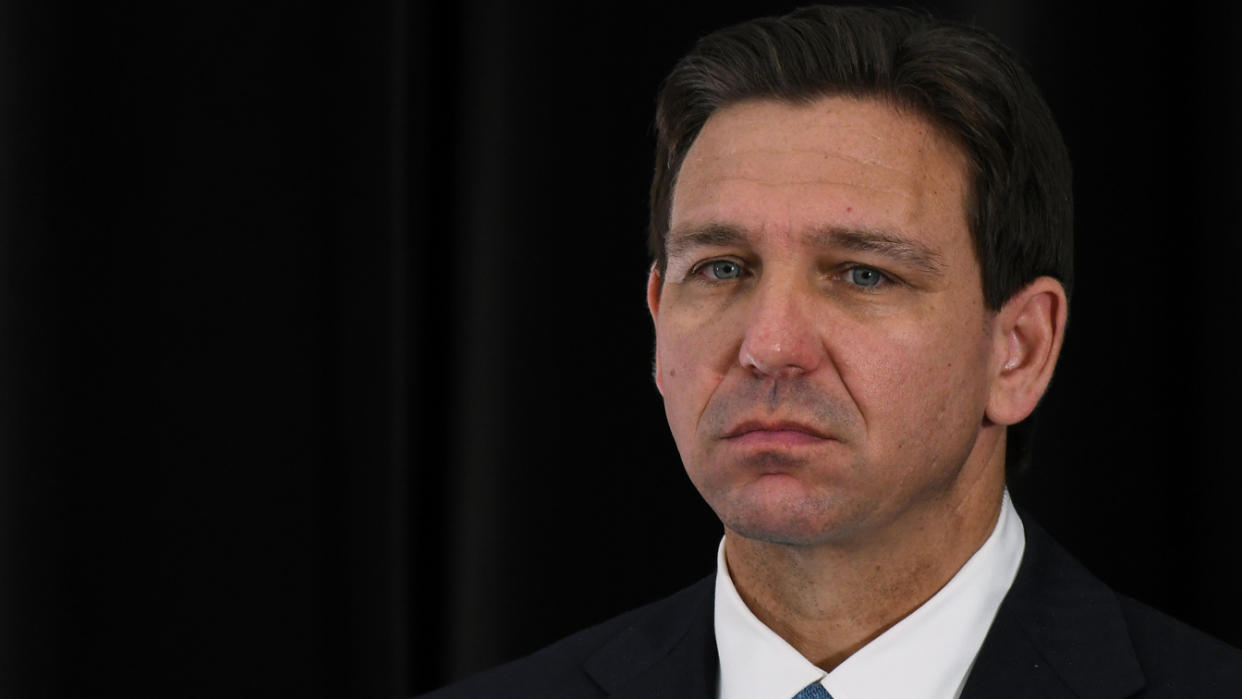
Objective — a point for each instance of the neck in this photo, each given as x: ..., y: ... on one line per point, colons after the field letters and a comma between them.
x: 828, y: 600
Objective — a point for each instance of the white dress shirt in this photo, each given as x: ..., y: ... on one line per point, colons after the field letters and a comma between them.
x: 926, y: 655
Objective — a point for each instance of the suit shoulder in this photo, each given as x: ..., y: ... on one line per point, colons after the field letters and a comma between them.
x: 1177, y: 656
x: 557, y: 670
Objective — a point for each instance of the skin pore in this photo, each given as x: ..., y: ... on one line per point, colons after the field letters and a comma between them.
x: 837, y: 389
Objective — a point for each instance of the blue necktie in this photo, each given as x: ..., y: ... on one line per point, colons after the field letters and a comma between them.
x: 813, y: 690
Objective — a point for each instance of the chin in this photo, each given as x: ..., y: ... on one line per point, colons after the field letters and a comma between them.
x: 786, y: 533
x: 790, y: 521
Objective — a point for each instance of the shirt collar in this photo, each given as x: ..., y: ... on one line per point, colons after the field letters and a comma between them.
x: 933, y: 647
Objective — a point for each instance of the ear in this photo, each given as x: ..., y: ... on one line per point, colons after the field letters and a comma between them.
x: 1029, y: 331
x: 653, y: 304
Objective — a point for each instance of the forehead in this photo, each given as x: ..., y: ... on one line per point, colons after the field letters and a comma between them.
x: 779, y: 167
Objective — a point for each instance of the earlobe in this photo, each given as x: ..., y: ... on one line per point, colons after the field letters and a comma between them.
x: 1029, y: 332
x: 653, y: 305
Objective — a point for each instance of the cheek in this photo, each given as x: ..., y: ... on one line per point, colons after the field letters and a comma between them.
x: 693, y: 360
x: 917, y: 383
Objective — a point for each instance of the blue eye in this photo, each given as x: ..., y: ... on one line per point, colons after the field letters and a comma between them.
x: 724, y: 269
x: 864, y: 276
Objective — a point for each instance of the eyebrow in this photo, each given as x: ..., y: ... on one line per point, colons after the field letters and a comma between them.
x: 711, y: 235
x: 882, y: 242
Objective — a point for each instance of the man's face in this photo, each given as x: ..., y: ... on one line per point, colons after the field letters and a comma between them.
x: 822, y: 343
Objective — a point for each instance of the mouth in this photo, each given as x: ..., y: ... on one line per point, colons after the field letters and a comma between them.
x: 775, y: 434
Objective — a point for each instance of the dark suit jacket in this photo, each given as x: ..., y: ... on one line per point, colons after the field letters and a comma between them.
x: 1060, y: 632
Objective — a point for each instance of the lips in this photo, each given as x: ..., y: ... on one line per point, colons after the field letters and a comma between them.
x: 779, y: 430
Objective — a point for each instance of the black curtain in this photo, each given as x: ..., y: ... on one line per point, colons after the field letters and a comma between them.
x: 207, y: 337
x: 326, y: 365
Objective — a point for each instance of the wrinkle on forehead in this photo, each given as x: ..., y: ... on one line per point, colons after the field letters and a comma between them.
x: 813, y: 156
x: 821, y: 152
x: 903, y: 191
x: 771, y: 130
x: 791, y: 166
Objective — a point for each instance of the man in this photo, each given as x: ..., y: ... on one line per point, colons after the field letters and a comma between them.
x: 861, y: 231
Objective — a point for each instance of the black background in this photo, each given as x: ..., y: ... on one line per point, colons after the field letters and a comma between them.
x: 326, y: 369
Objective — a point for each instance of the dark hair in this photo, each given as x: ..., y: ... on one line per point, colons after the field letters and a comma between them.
x: 961, y: 79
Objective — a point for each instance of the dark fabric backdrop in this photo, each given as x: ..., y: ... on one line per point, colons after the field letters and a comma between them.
x: 326, y: 365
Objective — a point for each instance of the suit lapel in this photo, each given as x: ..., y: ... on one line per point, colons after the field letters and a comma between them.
x: 1059, y: 633
x: 670, y: 651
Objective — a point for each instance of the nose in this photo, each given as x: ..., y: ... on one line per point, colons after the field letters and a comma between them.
x: 781, y: 338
